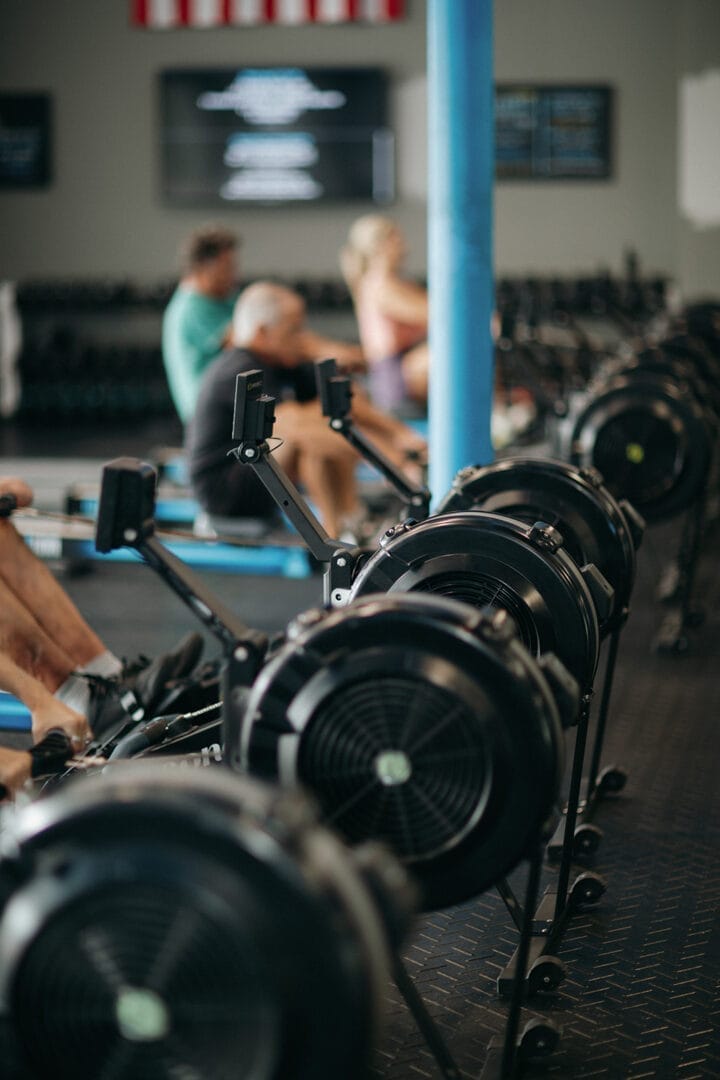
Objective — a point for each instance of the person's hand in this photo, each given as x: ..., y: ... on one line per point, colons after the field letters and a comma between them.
x: 350, y: 358
x: 410, y: 444
x: 14, y: 770
x: 314, y: 346
x: 51, y: 713
x: 13, y: 485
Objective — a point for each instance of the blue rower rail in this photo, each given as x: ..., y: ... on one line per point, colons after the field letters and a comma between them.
x: 179, y: 509
x: 14, y: 716
x: 291, y: 562
x: 287, y: 561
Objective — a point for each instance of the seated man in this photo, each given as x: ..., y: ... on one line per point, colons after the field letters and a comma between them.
x: 268, y: 333
x: 55, y: 663
x: 196, y: 322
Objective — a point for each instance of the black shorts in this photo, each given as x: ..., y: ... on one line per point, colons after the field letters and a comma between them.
x: 233, y: 491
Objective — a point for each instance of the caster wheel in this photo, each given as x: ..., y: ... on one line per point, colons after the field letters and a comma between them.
x: 670, y: 637
x: 587, y: 840
x: 673, y: 646
x: 669, y: 585
x: 546, y: 974
x: 611, y: 780
x: 538, y: 1040
x: 587, y: 889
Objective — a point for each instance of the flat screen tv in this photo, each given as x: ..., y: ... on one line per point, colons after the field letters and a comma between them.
x: 25, y: 140
x: 552, y: 132
x: 260, y: 135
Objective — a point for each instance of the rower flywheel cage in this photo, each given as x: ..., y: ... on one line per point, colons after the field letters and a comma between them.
x: 595, y: 527
x: 159, y: 921
x: 650, y: 439
x: 491, y: 560
x: 419, y: 722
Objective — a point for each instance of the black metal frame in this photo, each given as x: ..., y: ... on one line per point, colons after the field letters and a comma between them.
x: 506, y: 1054
x: 335, y: 392
x: 125, y: 520
x: 559, y: 900
x: 609, y: 780
x: 254, y: 450
x: 682, y: 614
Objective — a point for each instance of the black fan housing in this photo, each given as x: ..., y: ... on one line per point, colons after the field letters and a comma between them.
x: 489, y: 560
x: 420, y: 722
x: 595, y: 527
x: 650, y: 439
x: 162, y: 922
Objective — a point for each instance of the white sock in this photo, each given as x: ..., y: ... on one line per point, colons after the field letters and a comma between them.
x: 105, y: 664
x: 75, y: 693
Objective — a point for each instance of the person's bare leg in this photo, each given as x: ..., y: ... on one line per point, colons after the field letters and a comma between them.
x: 329, y: 479
x: 343, y: 485
x: 24, y: 641
x: 46, y: 711
x: 15, y: 766
x: 397, y: 441
x: 416, y: 373
x: 45, y: 600
x: 317, y: 478
x: 325, y: 463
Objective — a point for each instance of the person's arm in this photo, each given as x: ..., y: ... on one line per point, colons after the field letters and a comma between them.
x: 46, y: 711
x: 375, y: 421
x: 317, y: 347
x: 15, y: 766
x: 403, y: 300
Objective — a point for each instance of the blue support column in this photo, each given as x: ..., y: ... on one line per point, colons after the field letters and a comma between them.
x: 460, y: 259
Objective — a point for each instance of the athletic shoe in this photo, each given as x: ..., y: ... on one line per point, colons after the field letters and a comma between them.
x: 138, y: 691
x: 148, y: 679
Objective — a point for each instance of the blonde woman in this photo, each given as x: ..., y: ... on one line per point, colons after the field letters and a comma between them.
x: 391, y: 311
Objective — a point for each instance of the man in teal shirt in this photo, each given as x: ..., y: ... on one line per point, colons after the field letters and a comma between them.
x: 197, y: 320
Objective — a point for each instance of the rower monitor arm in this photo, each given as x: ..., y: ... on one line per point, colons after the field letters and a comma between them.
x: 335, y: 392
x: 126, y: 519
x: 253, y: 423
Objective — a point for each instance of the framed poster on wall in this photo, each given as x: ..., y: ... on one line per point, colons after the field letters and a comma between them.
x: 555, y: 132
x: 25, y: 140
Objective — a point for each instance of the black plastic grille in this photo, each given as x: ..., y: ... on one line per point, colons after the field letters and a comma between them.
x: 639, y: 455
x: 483, y: 590
x: 152, y: 940
x: 396, y: 722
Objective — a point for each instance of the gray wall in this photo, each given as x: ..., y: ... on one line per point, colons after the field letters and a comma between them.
x: 698, y: 257
x: 102, y: 214
x: 573, y: 225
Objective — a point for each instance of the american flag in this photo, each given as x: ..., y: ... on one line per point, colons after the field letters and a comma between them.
x: 166, y: 14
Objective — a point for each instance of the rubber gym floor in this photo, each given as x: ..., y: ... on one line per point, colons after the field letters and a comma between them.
x: 642, y: 992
